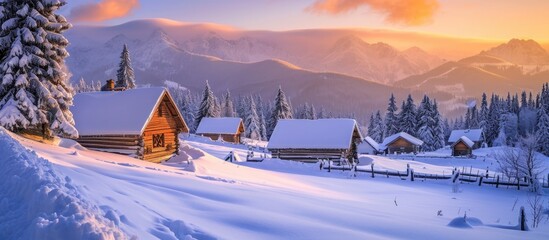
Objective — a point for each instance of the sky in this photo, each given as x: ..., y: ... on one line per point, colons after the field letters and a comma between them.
x: 475, y: 19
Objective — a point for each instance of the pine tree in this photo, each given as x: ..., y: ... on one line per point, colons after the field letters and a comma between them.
x: 483, y: 116
x: 407, y: 117
x: 371, y: 125
x: 125, y: 75
x: 207, y: 106
x: 441, y: 129
x: 187, y: 109
x: 542, y: 133
x: 228, y: 108
x: 378, y: 128
x: 426, y: 124
x: 391, y: 118
x: 34, y: 91
x: 251, y: 123
x: 281, y: 110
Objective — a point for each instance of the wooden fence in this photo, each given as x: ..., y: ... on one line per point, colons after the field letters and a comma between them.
x: 461, y: 175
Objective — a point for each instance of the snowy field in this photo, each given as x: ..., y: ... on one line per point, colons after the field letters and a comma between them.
x: 68, y: 192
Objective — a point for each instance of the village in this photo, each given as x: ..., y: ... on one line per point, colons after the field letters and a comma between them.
x: 217, y: 132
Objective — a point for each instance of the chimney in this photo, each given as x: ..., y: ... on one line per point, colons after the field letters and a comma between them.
x: 109, y: 86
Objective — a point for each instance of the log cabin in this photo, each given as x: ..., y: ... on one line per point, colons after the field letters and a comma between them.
x: 463, y: 147
x: 144, y: 123
x: 475, y: 135
x: 401, y: 143
x: 313, y: 140
x: 227, y: 128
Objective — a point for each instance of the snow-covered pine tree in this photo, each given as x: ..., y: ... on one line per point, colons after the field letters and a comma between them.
x: 542, y: 133
x: 281, y: 110
x: 322, y: 113
x: 261, y: 117
x: 492, y: 126
x: 483, y: 115
x: 241, y: 107
x: 207, y: 106
x: 251, y: 122
x: 312, y: 112
x: 185, y: 105
x: 378, y: 128
x: 125, y: 76
x: 407, y: 117
x: 371, y: 125
x: 35, y: 93
x: 228, y: 108
x: 391, y: 118
x: 441, y: 131
x: 426, y: 124
x: 217, y: 107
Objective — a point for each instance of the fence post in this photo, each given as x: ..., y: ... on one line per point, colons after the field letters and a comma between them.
x: 373, y: 174
x: 497, y: 181
x: 518, y: 183
x: 412, y: 174
x: 408, y: 170
x: 480, y: 181
x: 387, y: 172
x: 329, y: 165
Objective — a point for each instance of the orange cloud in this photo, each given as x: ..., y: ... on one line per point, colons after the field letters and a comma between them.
x: 103, y: 10
x: 408, y: 12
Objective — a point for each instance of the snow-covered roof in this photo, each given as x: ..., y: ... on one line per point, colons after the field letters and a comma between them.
x: 465, y: 140
x: 224, y: 125
x: 115, y: 112
x: 406, y: 136
x: 372, y: 142
x: 313, y: 134
x: 474, y: 135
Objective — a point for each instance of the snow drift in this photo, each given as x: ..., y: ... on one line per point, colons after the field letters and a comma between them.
x: 37, y: 203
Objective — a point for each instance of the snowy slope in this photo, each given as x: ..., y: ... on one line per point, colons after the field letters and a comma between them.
x: 210, y: 198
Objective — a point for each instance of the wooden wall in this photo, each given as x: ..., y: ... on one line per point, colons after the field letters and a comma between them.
x: 401, y: 145
x: 460, y: 149
x: 309, y: 155
x: 164, y: 121
x: 233, y: 138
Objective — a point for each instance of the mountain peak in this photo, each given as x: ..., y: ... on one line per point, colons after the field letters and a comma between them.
x: 520, y: 51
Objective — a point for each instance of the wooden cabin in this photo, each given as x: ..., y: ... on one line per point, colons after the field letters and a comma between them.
x: 401, y: 143
x: 144, y: 123
x: 312, y: 140
x: 475, y: 135
x: 226, y: 128
x: 463, y: 147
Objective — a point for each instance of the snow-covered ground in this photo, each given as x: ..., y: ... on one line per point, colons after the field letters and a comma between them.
x: 67, y: 189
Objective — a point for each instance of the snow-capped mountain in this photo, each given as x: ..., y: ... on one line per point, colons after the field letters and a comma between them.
x: 521, y: 52
x: 511, y: 67
x: 333, y: 51
x: 377, y: 62
x: 157, y: 57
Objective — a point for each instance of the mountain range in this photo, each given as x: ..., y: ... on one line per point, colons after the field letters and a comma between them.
x: 342, y: 71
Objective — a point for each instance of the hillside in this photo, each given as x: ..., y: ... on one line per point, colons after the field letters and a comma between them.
x: 213, y: 199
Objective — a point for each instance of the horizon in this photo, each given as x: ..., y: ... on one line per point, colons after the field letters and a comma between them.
x: 431, y: 17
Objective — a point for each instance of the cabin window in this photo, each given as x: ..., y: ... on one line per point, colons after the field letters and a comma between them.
x: 158, y: 140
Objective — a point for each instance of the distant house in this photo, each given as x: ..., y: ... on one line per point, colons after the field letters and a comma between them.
x: 368, y: 146
x: 311, y: 140
x: 462, y: 147
x: 401, y: 143
x: 229, y: 129
x: 143, y: 122
x: 475, y: 135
